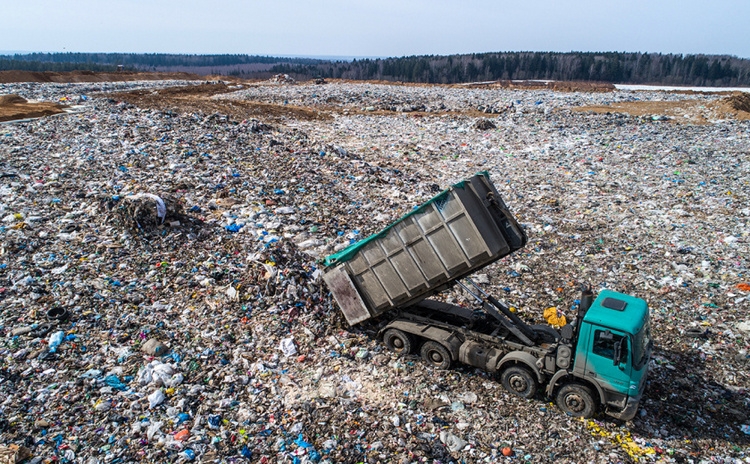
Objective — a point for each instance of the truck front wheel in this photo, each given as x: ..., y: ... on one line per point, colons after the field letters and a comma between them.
x: 397, y: 341
x: 519, y: 381
x: 436, y: 355
x: 576, y: 400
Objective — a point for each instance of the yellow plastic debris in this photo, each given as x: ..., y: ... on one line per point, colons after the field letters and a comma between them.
x: 621, y: 438
x: 554, y: 317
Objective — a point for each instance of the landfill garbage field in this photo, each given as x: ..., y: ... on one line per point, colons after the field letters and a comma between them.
x: 161, y: 296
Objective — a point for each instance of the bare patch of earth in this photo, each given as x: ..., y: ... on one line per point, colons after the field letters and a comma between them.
x: 735, y: 106
x: 197, y: 98
x: 14, y: 107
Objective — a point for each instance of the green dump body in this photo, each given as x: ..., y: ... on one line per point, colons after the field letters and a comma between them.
x: 464, y: 228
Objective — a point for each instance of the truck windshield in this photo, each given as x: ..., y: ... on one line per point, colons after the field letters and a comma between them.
x: 641, y: 343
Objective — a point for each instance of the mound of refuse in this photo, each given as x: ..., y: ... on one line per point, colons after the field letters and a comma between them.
x: 484, y: 124
x: 282, y: 79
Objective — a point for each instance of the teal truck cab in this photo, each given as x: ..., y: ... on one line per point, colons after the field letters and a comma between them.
x: 597, y: 362
x: 611, y: 354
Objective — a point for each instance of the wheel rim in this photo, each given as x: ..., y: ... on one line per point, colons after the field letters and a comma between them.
x: 575, y: 402
x: 397, y: 343
x: 436, y: 357
x: 518, y: 383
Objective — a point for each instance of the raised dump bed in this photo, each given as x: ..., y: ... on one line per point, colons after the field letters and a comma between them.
x: 459, y: 231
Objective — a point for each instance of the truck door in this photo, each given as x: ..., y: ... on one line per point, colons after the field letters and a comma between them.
x: 609, y: 358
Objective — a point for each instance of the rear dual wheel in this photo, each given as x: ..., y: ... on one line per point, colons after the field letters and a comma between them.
x: 433, y: 353
x: 436, y: 355
x: 397, y: 341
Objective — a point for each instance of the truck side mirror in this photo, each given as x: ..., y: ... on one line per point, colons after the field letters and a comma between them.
x: 618, y: 352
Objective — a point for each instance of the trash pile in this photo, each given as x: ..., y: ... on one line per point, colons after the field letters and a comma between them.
x: 162, y: 299
x: 495, y: 108
x: 282, y: 79
x: 484, y: 124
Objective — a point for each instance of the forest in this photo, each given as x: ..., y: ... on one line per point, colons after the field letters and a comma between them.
x: 150, y: 60
x: 630, y: 68
x: 158, y: 62
x: 615, y: 67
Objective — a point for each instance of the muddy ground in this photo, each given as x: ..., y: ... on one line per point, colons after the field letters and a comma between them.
x: 733, y: 106
x: 13, y: 107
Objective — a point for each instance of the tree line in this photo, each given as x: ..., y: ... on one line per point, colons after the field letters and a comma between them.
x: 631, y: 68
x: 150, y: 60
x: 7, y: 64
x: 616, y: 67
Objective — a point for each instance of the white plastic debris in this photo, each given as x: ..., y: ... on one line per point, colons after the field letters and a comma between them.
x: 156, y: 398
x: 286, y: 345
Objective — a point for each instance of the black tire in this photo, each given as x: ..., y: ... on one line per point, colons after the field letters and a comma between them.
x: 397, y: 341
x: 576, y: 400
x: 519, y: 381
x: 436, y: 355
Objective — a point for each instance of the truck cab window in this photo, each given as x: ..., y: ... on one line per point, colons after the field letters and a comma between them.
x: 604, y: 344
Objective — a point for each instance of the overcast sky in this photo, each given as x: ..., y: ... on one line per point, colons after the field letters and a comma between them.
x: 375, y: 28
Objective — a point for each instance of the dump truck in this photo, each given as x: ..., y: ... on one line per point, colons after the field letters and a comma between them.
x: 598, y: 362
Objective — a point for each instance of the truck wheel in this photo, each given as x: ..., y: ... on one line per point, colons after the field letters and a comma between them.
x: 576, y: 400
x: 519, y: 381
x: 436, y: 355
x: 397, y: 341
